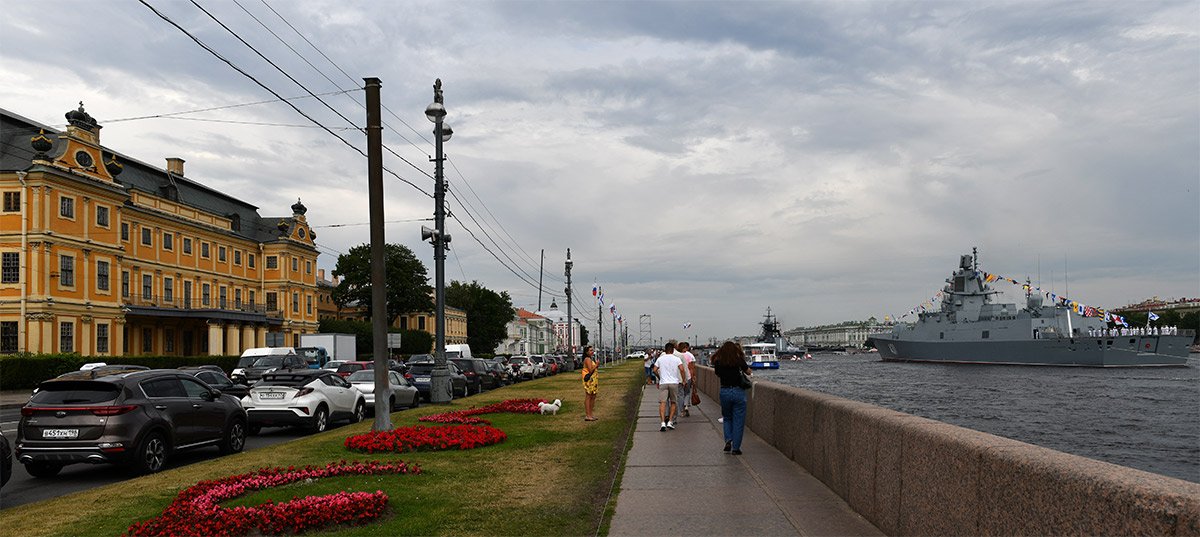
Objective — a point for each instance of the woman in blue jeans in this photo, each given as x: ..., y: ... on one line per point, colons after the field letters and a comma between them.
x: 729, y: 362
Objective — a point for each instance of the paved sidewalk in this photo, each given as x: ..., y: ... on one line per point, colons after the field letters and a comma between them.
x: 680, y: 483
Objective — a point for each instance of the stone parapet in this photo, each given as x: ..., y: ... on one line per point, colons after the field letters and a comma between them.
x: 909, y: 475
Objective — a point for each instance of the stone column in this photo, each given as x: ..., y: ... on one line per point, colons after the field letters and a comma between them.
x: 231, y: 339
x: 247, y: 337
x: 215, y: 343
x: 260, y: 335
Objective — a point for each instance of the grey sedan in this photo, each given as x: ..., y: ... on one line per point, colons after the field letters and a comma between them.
x: 403, y: 392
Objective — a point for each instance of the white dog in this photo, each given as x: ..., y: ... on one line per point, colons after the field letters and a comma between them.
x: 552, y: 408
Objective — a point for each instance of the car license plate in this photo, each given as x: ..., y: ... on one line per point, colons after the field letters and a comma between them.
x: 421, y: 379
x: 60, y: 433
x: 271, y: 395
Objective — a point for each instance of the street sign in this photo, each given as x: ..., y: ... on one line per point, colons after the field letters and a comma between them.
x: 393, y: 341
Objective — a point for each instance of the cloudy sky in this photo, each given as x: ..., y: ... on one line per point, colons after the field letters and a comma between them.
x: 702, y: 160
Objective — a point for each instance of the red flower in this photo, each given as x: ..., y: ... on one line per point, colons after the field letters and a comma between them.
x: 421, y: 438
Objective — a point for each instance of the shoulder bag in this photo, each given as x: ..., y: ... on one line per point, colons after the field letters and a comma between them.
x: 746, y: 383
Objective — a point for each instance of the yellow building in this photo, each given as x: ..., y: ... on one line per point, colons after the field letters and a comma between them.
x: 456, y: 324
x: 105, y: 255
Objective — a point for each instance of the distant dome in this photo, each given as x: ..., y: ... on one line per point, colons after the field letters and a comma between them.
x: 299, y: 208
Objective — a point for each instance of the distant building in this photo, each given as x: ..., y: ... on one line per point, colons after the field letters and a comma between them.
x: 527, y: 333
x: 328, y: 309
x: 839, y: 336
x: 426, y: 321
x: 1158, y: 305
x: 561, y: 328
x: 104, y: 255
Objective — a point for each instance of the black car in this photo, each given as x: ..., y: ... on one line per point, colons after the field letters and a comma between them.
x: 269, y: 363
x: 5, y: 460
x: 419, y: 373
x: 477, y: 372
x: 136, y: 419
x: 500, y: 370
x: 214, y: 376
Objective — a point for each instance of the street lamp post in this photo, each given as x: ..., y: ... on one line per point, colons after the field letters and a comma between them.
x: 440, y: 389
x: 570, y: 320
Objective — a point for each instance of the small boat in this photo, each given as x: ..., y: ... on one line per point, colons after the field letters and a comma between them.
x: 761, y: 355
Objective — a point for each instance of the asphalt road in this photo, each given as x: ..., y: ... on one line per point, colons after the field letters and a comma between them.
x: 24, y: 488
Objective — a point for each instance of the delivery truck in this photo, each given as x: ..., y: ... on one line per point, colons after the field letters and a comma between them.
x: 337, y: 346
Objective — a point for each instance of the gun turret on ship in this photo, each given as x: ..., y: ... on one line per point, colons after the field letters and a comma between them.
x: 969, y: 328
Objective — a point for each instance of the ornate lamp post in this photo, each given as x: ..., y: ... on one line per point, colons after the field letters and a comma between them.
x: 440, y: 390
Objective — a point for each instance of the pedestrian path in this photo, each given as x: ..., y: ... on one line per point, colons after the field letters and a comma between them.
x: 679, y: 482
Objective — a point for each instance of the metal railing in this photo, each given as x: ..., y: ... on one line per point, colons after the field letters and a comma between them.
x: 211, y: 303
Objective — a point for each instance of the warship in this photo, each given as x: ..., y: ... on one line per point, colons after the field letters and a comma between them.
x: 969, y: 328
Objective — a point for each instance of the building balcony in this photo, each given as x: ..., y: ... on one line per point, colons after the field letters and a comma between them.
x: 211, y: 308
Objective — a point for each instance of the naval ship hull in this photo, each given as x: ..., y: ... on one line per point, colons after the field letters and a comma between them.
x: 1114, y: 351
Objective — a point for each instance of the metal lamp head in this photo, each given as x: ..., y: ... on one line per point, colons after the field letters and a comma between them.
x: 447, y: 132
x: 435, y: 112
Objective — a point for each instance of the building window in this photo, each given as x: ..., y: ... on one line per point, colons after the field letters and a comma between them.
x: 168, y: 340
x: 168, y: 289
x: 147, y: 340
x: 251, y: 298
x: 205, y: 294
x: 224, y: 294
x: 250, y: 260
x: 146, y: 238
x: 295, y: 265
x: 204, y: 250
x: 237, y: 298
x: 221, y: 254
x: 102, y: 279
x: 295, y: 302
x: 308, y: 303
x: 66, y: 207
x: 168, y: 241
x: 8, y: 337
x: 66, y: 336
x: 125, y: 284
x: 187, y: 294
x: 66, y: 271
x: 272, y: 262
x: 101, y: 216
x: 10, y: 267
x: 421, y: 322
x: 237, y: 257
x: 986, y: 334
x: 12, y: 202
x: 125, y: 231
x: 272, y: 301
x: 102, y: 338
x: 147, y: 286
x: 308, y: 267
x: 187, y: 246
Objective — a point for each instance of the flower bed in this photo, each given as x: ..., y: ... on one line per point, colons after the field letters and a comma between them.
x: 422, y: 438
x: 197, y: 511
x: 515, y: 406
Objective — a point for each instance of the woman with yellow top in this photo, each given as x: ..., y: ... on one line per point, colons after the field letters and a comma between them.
x: 590, y: 386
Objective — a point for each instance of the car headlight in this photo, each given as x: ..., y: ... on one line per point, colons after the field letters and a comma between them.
x: 239, y: 371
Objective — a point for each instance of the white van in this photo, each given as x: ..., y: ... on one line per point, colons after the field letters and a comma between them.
x: 458, y: 351
x: 250, y: 355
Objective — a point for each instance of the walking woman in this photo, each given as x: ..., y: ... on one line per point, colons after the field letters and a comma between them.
x: 590, y: 387
x: 729, y: 362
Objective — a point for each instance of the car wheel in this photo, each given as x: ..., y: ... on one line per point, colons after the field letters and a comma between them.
x: 416, y: 400
x: 43, y: 469
x: 320, y: 420
x: 151, y: 455
x: 360, y: 410
x: 235, y: 438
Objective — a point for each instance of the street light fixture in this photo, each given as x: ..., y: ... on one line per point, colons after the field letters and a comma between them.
x: 440, y: 389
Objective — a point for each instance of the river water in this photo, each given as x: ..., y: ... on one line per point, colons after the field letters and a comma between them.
x: 1145, y: 418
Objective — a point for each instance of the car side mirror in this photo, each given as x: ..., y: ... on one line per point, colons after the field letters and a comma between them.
x: 213, y: 395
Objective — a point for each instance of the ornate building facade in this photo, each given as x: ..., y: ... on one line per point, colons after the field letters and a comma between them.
x: 104, y: 255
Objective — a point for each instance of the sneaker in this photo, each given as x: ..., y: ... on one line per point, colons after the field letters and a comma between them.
x: 662, y: 426
x: 736, y: 452
x: 671, y: 425
x: 728, y: 446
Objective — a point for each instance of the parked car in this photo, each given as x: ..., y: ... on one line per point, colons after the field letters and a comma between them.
x: 5, y: 459
x: 144, y: 417
x: 347, y: 368
x: 403, y: 392
x: 476, y: 371
x: 215, y: 377
x: 526, y: 367
x: 419, y: 373
x: 267, y: 364
x: 305, y: 397
x: 333, y: 365
x: 547, y: 367
x: 251, y: 356
x: 315, y: 357
x: 500, y: 370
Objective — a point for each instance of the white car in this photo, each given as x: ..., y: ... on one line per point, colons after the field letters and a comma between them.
x: 306, y: 397
x: 403, y: 393
x: 527, y: 368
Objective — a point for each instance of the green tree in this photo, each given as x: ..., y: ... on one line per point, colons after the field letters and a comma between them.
x: 583, y: 336
x: 408, y: 287
x: 414, y: 341
x: 488, y: 313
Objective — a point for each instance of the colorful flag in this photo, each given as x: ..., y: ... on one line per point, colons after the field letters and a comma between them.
x: 687, y: 325
x: 612, y: 308
x: 1153, y: 317
x: 595, y: 289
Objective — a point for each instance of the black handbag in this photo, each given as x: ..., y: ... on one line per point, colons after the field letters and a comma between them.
x: 746, y: 383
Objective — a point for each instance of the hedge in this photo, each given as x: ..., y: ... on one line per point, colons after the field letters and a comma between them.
x: 26, y: 371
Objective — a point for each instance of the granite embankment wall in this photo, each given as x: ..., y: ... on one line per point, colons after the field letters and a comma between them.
x: 915, y: 476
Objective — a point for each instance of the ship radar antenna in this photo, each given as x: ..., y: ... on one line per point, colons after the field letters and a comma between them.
x: 975, y: 256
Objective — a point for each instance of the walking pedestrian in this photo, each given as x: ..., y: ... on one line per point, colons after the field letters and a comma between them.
x: 648, y: 363
x: 670, y: 373
x: 729, y: 363
x: 590, y: 386
x: 683, y: 349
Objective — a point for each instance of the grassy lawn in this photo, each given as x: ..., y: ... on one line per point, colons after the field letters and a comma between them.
x: 551, y: 476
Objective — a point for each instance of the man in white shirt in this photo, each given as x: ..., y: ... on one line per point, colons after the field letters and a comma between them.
x: 670, y: 372
x: 683, y: 350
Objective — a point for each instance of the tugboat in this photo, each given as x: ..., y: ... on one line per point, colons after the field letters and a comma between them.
x: 970, y: 329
